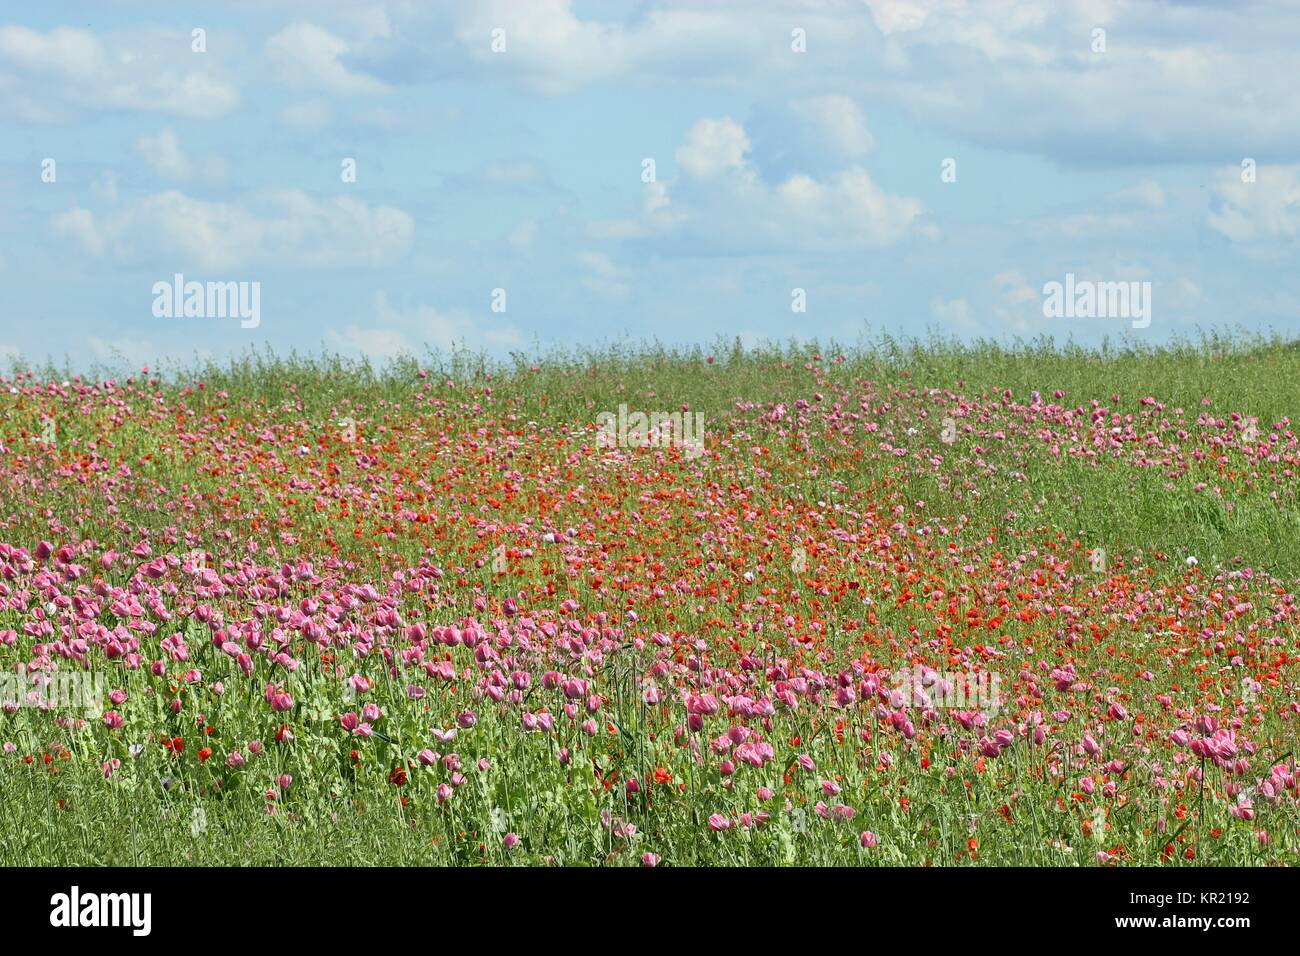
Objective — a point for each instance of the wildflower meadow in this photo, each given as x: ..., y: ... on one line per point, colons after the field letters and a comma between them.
x: 905, y: 604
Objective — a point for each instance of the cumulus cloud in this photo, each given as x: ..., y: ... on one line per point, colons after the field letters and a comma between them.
x: 79, y: 225
x: 953, y: 315
x: 841, y: 122
x: 713, y: 146
x: 61, y: 74
x: 553, y: 50
x: 1268, y: 208
x: 545, y: 41
x: 1017, y: 305
x: 304, y: 56
x: 721, y: 203
x: 1025, y: 75
x: 1009, y: 74
x: 397, y: 331
x: 899, y: 16
x: 281, y: 228
x: 163, y: 152
x: 375, y: 344
x: 815, y: 135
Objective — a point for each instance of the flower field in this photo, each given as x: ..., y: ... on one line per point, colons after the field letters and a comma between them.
x: 916, y: 605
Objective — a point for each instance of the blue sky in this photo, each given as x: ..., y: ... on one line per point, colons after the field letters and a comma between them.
x: 522, y: 170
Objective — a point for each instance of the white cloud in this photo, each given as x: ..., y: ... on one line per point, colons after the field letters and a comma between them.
x: 163, y: 152
x: 285, y: 227
x: 79, y: 225
x: 898, y: 16
x: 553, y: 50
x: 1183, y: 300
x: 368, y: 21
x: 815, y: 135
x: 63, y: 73
x: 721, y: 203
x: 1176, y: 82
x: 712, y: 146
x: 1017, y: 305
x: 397, y: 331
x: 602, y: 275
x: 74, y: 54
x: 1147, y: 193
x: 1188, y: 290
x: 375, y: 344
x: 1268, y: 208
x: 850, y: 207
x: 545, y: 41
x: 953, y: 315
x: 1123, y: 213
x: 307, y: 57
x: 842, y: 123
x: 1015, y: 288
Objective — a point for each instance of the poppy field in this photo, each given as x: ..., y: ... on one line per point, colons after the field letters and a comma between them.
x: 917, y: 604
